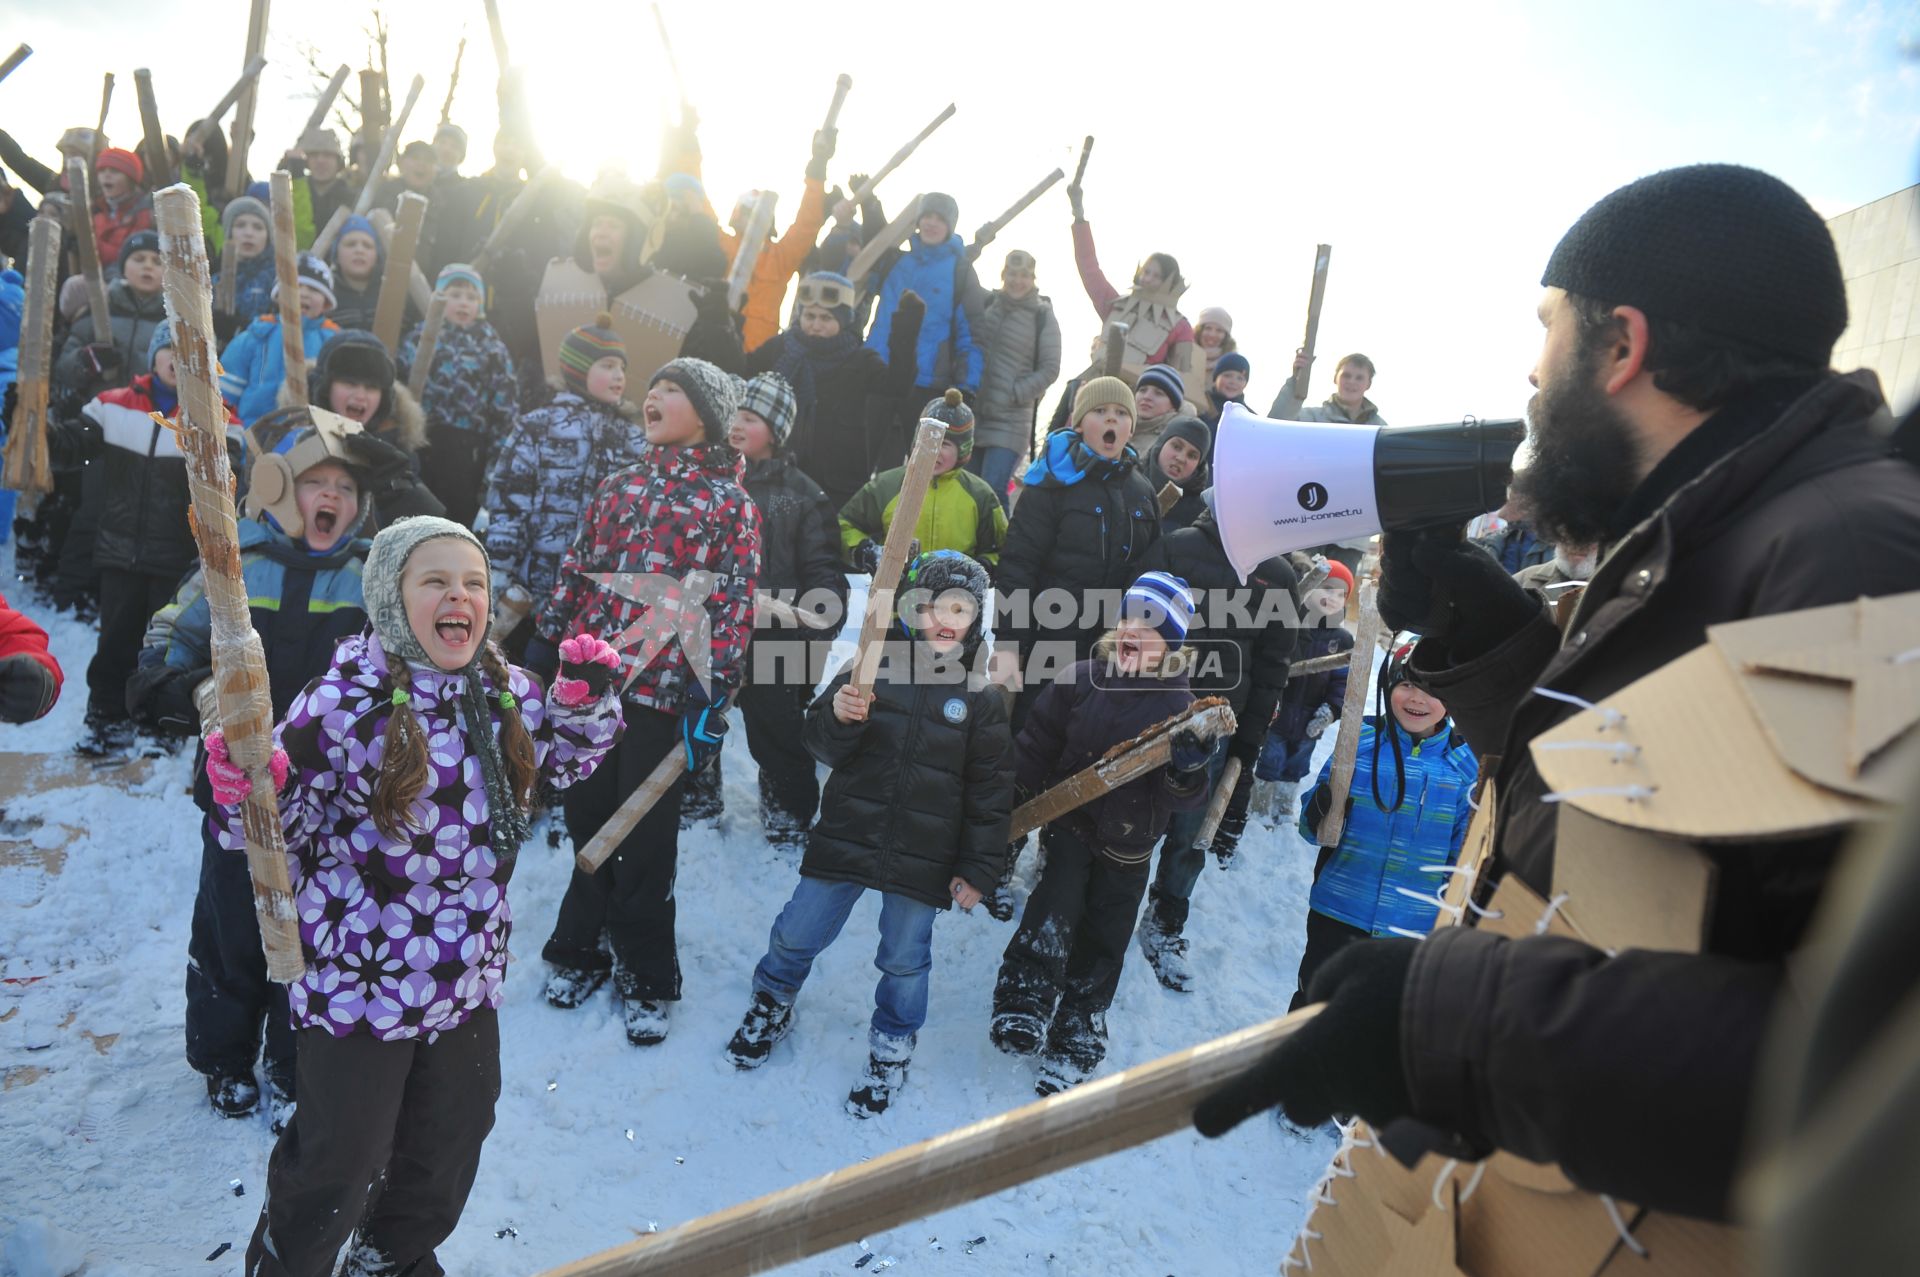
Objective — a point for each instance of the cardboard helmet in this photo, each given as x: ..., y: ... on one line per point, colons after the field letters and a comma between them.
x: 271, y: 484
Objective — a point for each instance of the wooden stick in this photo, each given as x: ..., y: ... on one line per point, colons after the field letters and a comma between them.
x: 153, y: 139
x: 1346, y: 747
x: 752, y: 240
x: 986, y: 234
x: 328, y: 95
x: 1169, y: 496
x: 80, y: 223
x: 1322, y: 255
x: 900, y: 156
x: 1130, y: 760
x: 517, y: 213
x: 1105, y: 1116
x: 841, y: 87
x: 239, y: 662
x: 672, y: 62
x: 1080, y: 169
x: 323, y: 242
x: 106, y: 100
x: 1217, y: 805
x: 14, y: 59
x: 228, y: 284
x: 885, y: 242
x: 893, y: 556
x: 392, y: 304
x: 293, y: 338
x: 387, y: 145
x: 641, y: 801
x: 1318, y: 665
x: 429, y: 344
x: 28, y: 468
x: 1114, y: 353
x: 499, y: 33
x: 249, y: 98
x: 198, y: 133
x: 453, y: 82
x: 373, y: 117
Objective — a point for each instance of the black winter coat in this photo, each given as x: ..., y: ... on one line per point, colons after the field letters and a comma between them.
x: 1635, y: 1073
x: 1242, y: 658
x: 1077, y: 719
x: 132, y: 317
x: 921, y: 792
x: 799, y: 537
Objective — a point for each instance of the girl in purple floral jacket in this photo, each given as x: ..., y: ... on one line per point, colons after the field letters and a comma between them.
x: 409, y: 768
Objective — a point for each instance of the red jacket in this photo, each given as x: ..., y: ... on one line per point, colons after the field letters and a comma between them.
x: 19, y: 635
x: 110, y: 228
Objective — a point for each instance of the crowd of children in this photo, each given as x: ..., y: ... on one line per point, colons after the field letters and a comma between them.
x: 508, y: 593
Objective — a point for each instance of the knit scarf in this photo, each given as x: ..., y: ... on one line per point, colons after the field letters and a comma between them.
x: 1067, y: 459
x: 803, y: 358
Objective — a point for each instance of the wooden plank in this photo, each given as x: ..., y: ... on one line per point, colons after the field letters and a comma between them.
x: 391, y: 307
x: 80, y: 223
x: 1128, y: 761
x: 249, y: 98
x: 293, y: 338
x: 429, y: 345
x: 28, y: 467
x: 153, y: 139
x: 1353, y: 709
x: 885, y: 585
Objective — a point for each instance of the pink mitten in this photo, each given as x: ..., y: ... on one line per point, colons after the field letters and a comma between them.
x: 587, y: 649
x: 231, y: 785
x: 571, y: 691
x: 588, y: 666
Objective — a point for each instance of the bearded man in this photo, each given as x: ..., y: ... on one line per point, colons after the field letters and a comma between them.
x: 1688, y: 424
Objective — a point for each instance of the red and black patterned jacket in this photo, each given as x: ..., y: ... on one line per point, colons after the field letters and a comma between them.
x: 672, y: 512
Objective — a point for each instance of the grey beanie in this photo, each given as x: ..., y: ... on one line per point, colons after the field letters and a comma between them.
x: 380, y: 580
x: 715, y: 393
x: 244, y: 204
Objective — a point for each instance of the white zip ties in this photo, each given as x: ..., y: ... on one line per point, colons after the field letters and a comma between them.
x: 1546, y: 915
x: 1446, y: 1172
x: 1470, y: 873
x: 1620, y: 1226
x: 1609, y: 717
x: 1621, y: 750
x: 1632, y: 793
x: 1907, y: 657
x: 1472, y: 1186
x: 1473, y: 1182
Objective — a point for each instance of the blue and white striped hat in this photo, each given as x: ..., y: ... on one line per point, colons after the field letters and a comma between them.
x: 1163, y: 601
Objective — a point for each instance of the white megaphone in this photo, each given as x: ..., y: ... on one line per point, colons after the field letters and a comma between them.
x: 1288, y: 485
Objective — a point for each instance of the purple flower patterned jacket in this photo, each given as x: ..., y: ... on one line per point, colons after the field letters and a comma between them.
x: 404, y: 937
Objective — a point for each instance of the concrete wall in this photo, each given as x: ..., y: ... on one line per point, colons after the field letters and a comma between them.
x: 1880, y: 256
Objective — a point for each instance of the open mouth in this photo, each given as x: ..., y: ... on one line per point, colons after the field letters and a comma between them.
x: 1127, y: 652
x: 1110, y: 438
x: 653, y: 415
x: 454, y: 631
x: 325, y: 521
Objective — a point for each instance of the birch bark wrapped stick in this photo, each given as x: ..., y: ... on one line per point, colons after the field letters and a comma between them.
x: 80, y: 222
x: 293, y: 338
x: 14, y: 59
x: 239, y: 662
x: 1211, y: 717
x: 28, y: 467
x: 1105, y: 1116
x: 900, y: 156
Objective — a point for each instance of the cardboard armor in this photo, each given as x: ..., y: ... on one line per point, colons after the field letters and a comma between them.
x: 652, y: 318
x: 1773, y: 729
x: 1150, y: 319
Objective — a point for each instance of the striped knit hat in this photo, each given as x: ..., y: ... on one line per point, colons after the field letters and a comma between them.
x: 586, y: 346
x: 1168, y: 379
x: 312, y: 273
x: 770, y: 398
x: 951, y: 410
x: 1163, y: 601
x: 461, y: 273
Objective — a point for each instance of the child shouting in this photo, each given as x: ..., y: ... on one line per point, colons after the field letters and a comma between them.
x: 468, y: 396
x: 916, y: 808
x: 1062, y: 966
x: 676, y: 512
x: 409, y: 767
x: 961, y: 512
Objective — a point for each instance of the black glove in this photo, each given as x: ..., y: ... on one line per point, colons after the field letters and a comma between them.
x: 910, y: 304
x: 1321, y: 803
x: 865, y: 557
x: 1345, y: 1060
x: 703, y: 728
x: 385, y: 465
x: 1190, y: 750
x: 1451, y: 591
x: 27, y: 689
x: 105, y: 363
x: 1076, y: 199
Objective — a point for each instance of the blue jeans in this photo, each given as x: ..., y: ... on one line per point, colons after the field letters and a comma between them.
x: 996, y: 466
x: 1181, y: 861
x: 1283, y: 759
x: 811, y: 920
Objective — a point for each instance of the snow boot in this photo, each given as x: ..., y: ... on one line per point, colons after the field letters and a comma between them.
x: 568, y: 987
x: 280, y: 1104
x: 701, y: 800
x: 767, y: 1021
x: 103, y: 737
x: 886, y: 1072
x: 237, y: 1095
x: 1017, y: 1032
x: 647, y: 1021
x: 1076, y: 1044
x: 1286, y: 801
x: 1166, y: 953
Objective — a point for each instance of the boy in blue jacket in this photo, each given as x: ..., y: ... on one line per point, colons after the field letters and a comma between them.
x: 934, y: 266
x: 1407, y: 815
x: 253, y: 367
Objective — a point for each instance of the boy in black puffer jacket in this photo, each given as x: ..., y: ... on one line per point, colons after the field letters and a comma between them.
x: 1062, y: 967
x: 799, y: 565
x: 916, y: 808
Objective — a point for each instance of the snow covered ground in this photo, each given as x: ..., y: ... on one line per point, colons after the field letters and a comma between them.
x: 111, y: 1162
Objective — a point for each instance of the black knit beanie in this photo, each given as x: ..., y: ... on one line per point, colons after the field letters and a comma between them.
x: 1731, y: 249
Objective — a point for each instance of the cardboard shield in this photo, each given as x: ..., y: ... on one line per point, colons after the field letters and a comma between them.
x: 652, y: 317
x: 1150, y: 319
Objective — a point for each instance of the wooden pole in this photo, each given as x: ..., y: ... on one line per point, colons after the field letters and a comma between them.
x: 243, y: 115
x: 106, y: 101
x: 499, y: 34
x: 328, y: 96
x: 391, y: 307
x: 673, y: 63
x: 841, y: 88
x: 153, y: 139
x: 28, y: 468
x: 387, y: 145
x: 1080, y: 169
x: 1129, y: 1108
x: 752, y: 239
x: 517, y: 213
x: 429, y: 343
x: 228, y: 284
x: 14, y: 59
x: 198, y: 132
x: 293, y: 340
x: 1127, y: 761
x: 1217, y: 805
x: 991, y: 231
x: 663, y: 777
x: 239, y: 662
x: 1322, y: 255
x: 453, y: 82
x: 323, y: 242
x: 885, y: 242
x: 1346, y: 746
x: 373, y: 119
x: 900, y: 156
x: 885, y: 585
x: 80, y: 223
x: 1114, y: 352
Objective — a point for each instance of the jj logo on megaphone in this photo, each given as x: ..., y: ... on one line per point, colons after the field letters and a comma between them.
x: 1365, y: 480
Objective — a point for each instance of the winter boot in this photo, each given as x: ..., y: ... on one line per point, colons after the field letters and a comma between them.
x: 103, y: 737
x: 1076, y: 1044
x: 1286, y: 801
x: 1017, y: 1032
x: 886, y: 1072
x: 701, y: 801
x: 767, y: 1021
x: 647, y: 1022
x: 1166, y: 953
x: 236, y: 1095
x: 568, y: 987
x: 280, y: 1104
x: 786, y: 827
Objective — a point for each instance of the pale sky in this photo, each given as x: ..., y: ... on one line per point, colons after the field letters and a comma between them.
x: 1440, y: 149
